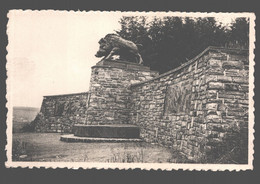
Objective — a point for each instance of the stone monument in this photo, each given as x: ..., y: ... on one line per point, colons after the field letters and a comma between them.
x: 113, y: 44
x: 108, y: 112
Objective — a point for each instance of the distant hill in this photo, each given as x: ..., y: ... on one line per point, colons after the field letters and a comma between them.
x: 23, y: 116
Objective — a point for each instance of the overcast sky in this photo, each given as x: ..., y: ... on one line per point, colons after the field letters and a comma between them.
x: 51, y: 52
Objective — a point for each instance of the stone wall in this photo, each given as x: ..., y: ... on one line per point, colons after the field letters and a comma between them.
x: 60, y: 112
x: 110, y: 90
x: 106, y: 103
x: 192, y: 107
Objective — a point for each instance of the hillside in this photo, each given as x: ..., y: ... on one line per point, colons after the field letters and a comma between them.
x: 23, y: 116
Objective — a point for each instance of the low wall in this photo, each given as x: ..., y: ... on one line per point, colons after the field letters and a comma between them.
x: 60, y: 112
x: 192, y: 107
x: 106, y: 103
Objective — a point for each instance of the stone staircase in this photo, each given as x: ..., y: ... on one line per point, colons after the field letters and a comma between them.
x: 103, y: 133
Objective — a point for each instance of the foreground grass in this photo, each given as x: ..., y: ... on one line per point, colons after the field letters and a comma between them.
x: 48, y: 147
x: 19, y: 150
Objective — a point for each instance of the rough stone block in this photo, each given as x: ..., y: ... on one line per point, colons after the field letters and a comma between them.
x: 215, y: 85
x: 215, y: 63
x: 232, y: 65
x: 212, y: 106
x: 212, y: 112
x: 215, y: 71
x: 232, y: 87
x: 212, y: 94
x: 222, y: 78
x: 235, y: 57
x: 219, y: 56
x: 244, y: 88
x: 241, y: 80
x: 211, y: 78
x: 214, y: 118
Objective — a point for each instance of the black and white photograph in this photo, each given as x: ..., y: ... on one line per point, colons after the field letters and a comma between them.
x: 148, y: 90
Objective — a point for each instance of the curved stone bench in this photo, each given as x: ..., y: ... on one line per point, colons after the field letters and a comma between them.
x: 123, y: 131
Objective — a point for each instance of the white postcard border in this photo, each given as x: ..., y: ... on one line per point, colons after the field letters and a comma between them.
x: 144, y: 166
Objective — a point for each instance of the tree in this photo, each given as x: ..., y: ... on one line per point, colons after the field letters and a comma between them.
x: 239, y: 33
x: 170, y: 41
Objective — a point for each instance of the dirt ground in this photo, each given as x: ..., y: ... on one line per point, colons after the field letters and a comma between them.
x: 48, y: 147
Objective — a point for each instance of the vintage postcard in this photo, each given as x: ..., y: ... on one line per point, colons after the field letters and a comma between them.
x: 148, y: 90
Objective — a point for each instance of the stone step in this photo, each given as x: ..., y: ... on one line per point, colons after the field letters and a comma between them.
x: 123, y: 131
x: 73, y: 138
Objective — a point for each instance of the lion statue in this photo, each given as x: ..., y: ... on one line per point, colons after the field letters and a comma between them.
x: 113, y: 44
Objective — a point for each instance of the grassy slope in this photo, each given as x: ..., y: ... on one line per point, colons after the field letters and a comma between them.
x: 23, y: 116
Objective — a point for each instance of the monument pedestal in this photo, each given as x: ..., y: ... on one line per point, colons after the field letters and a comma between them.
x: 110, y: 91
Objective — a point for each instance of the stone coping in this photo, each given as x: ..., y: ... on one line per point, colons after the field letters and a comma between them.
x: 72, y: 138
x: 69, y: 94
x: 107, y: 125
x: 105, y: 61
x: 121, y: 65
x: 210, y: 48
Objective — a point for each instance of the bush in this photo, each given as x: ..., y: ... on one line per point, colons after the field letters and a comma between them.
x: 127, y: 157
x: 30, y: 127
x: 178, y: 157
x: 18, y: 149
x: 233, y: 149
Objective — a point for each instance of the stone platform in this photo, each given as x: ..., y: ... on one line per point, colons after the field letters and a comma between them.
x: 103, y: 133
x: 73, y: 138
